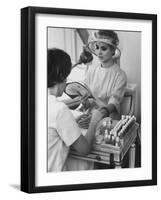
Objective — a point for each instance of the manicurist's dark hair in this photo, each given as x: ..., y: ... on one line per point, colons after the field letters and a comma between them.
x: 58, y: 66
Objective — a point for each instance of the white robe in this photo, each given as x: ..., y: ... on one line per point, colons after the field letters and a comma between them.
x: 106, y: 84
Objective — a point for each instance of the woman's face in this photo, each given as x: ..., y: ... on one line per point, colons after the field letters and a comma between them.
x: 103, y: 51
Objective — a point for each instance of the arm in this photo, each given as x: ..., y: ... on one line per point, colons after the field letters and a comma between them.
x: 106, y: 111
x: 84, y: 143
x: 70, y: 133
x: 118, y: 91
x: 116, y: 96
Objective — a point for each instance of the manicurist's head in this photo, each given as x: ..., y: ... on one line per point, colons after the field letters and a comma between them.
x: 58, y: 68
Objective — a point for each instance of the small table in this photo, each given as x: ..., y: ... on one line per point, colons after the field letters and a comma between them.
x: 110, y: 154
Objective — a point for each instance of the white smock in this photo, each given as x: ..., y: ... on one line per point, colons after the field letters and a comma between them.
x: 63, y: 131
x: 107, y: 85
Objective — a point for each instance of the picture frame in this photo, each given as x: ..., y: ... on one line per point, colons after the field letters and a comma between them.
x: 33, y: 20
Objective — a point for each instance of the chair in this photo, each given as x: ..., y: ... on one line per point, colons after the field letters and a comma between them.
x: 128, y: 108
x: 129, y: 101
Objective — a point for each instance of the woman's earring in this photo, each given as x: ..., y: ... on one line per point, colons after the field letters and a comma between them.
x: 117, y: 54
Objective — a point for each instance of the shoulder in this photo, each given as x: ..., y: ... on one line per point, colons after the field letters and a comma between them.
x: 121, y: 73
x: 93, y: 67
x: 56, y: 104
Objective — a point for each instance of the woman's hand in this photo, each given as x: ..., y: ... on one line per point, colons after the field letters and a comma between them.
x: 88, y: 103
x: 104, y: 111
x: 85, y: 104
x: 85, y: 56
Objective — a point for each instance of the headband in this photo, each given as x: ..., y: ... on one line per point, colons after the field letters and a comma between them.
x: 93, y: 39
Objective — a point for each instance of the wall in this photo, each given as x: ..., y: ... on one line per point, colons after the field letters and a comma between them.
x: 130, y: 61
x: 63, y: 38
x: 10, y: 100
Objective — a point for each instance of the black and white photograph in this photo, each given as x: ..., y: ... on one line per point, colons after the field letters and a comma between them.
x: 94, y: 110
x: 88, y: 83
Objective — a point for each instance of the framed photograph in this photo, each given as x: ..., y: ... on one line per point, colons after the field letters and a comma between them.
x: 88, y: 99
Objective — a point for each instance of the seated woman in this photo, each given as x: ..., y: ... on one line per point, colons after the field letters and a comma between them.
x: 106, y: 80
